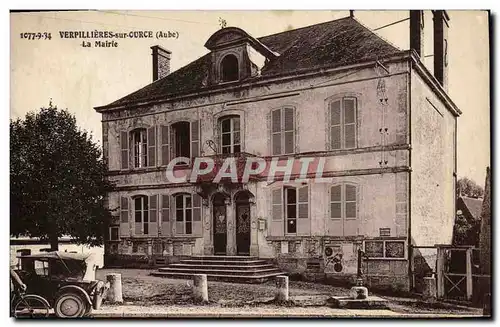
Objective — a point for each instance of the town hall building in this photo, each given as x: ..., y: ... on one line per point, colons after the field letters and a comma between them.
x: 380, y: 124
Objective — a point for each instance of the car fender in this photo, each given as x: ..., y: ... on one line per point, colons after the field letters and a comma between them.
x: 76, y: 289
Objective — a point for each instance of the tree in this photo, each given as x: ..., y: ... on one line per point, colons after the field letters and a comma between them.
x: 57, y: 178
x: 468, y: 187
x: 465, y: 232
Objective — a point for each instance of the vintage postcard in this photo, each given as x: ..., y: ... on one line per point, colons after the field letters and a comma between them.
x: 250, y: 164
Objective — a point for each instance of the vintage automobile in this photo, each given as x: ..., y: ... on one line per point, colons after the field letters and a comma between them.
x: 65, y: 280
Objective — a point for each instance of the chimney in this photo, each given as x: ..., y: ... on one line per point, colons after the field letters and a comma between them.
x: 441, y: 20
x: 161, y: 62
x: 417, y: 31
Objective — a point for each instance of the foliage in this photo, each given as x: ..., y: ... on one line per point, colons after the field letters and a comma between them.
x: 57, y: 179
x: 467, y: 187
x: 465, y: 232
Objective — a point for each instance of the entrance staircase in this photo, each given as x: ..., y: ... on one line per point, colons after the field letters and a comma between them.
x: 236, y: 269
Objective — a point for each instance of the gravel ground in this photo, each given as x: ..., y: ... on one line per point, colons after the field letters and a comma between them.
x: 141, y: 289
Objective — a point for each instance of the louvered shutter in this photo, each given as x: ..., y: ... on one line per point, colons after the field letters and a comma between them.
x: 124, y: 150
x: 197, y: 221
x: 335, y: 125
x: 351, y: 222
x: 195, y: 139
x: 151, y: 146
x: 124, y: 217
x: 335, y: 223
x: 276, y: 132
x: 165, y: 215
x: 179, y: 214
x: 349, y: 123
x: 303, y: 221
x: 173, y: 148
x: 153, y: 215
x: 289, y: 130
x: 164, y: 146
x: 277, y: 226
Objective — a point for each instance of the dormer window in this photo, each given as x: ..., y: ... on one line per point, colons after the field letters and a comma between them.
x: 229, y: 68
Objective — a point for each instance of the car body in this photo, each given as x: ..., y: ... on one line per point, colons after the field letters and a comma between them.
x: 65, y: 279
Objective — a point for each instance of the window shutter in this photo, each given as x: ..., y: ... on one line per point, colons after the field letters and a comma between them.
x: 349, y: 123
x: 124, y: 149
x: 152, y: 146
x: 153, y: 215
x: 277, y: 226
x: 289, y: 130
x: 197, y: 221
x: 124, y: 217
x: 335, y: 125
x: 179, y: 225
x: 276, y: 132
x: 165, y: 149
x: 351, y: 210
x: 195, y: 139
x: 172, y: 144
x: 303, y: 221
x: 335, y: 223
x: 165, y: 215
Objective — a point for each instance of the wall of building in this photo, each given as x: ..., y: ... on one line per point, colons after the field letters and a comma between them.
x: 433, y: 167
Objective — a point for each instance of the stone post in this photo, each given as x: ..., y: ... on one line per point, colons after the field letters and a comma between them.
x: 281, y: 289
x: 429, y: 292
x: 115, y: 288
x: 200, y: 288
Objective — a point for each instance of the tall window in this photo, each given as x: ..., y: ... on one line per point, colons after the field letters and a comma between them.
x: 181, y: 143
x: 140, y: 147
x: 184, y: 212
x: 296, y: 209
x: 141, y: 212
x: 283, y: 131
x: 229, y: 128
x: 343, y: 117
x: 343, y: 202
x: 229, y: 68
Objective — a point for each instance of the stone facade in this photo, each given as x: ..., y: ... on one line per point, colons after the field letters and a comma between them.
x: 394, y: 187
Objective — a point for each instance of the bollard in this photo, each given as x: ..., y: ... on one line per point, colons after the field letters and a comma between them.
x: 429, y: 291
x: 200, y: 288
x: 281, y: 289
x: 115, y: 288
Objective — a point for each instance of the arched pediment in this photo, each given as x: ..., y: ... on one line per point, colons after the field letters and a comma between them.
x: 225, y: 36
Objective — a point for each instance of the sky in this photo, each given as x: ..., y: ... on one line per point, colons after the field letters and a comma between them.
x: 79, y: 79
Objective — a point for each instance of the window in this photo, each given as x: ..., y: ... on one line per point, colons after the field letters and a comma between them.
x: 343, y: 117
x: 229, y: 129
x: 141, y: 213
x: 295, y: 209
x: 387, y: 249
x: 185, y: 139
x: 229, y: 68
x: 140, y: 147
x: 184, y: 213
x: 283, y: 131
x: 343, y: 202
x: 113, y: 233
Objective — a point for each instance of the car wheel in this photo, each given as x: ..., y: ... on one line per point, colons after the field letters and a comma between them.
x: 88, y: 310
x: 69, y: 305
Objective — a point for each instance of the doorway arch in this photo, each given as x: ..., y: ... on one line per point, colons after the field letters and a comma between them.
x: 242, y: 201
x: 219, y: 216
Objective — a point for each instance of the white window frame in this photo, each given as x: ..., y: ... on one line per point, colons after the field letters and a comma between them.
x: 383, y: 257
x: 184, y: 210
x: 144, y: 209
x: 231, y: 133
x: 140, y: 151
x: 343, y: 201
x: 283, y: 131
x: 342, y: 123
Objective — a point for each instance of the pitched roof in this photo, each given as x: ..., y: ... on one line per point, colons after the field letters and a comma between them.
x: 331, y: 44
x: 473, y: 205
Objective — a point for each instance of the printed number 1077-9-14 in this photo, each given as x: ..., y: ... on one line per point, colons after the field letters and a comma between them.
x: 36, y: 36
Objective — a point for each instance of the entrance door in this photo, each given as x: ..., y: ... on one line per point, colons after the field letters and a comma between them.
x: 242, y: 224
x: 219, y: 224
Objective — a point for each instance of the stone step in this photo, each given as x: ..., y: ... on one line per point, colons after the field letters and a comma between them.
x: 227, y: 271
x: 224, y: 262
x: 224, y: 257
x: 232, y: 267
x: 260, y: 278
